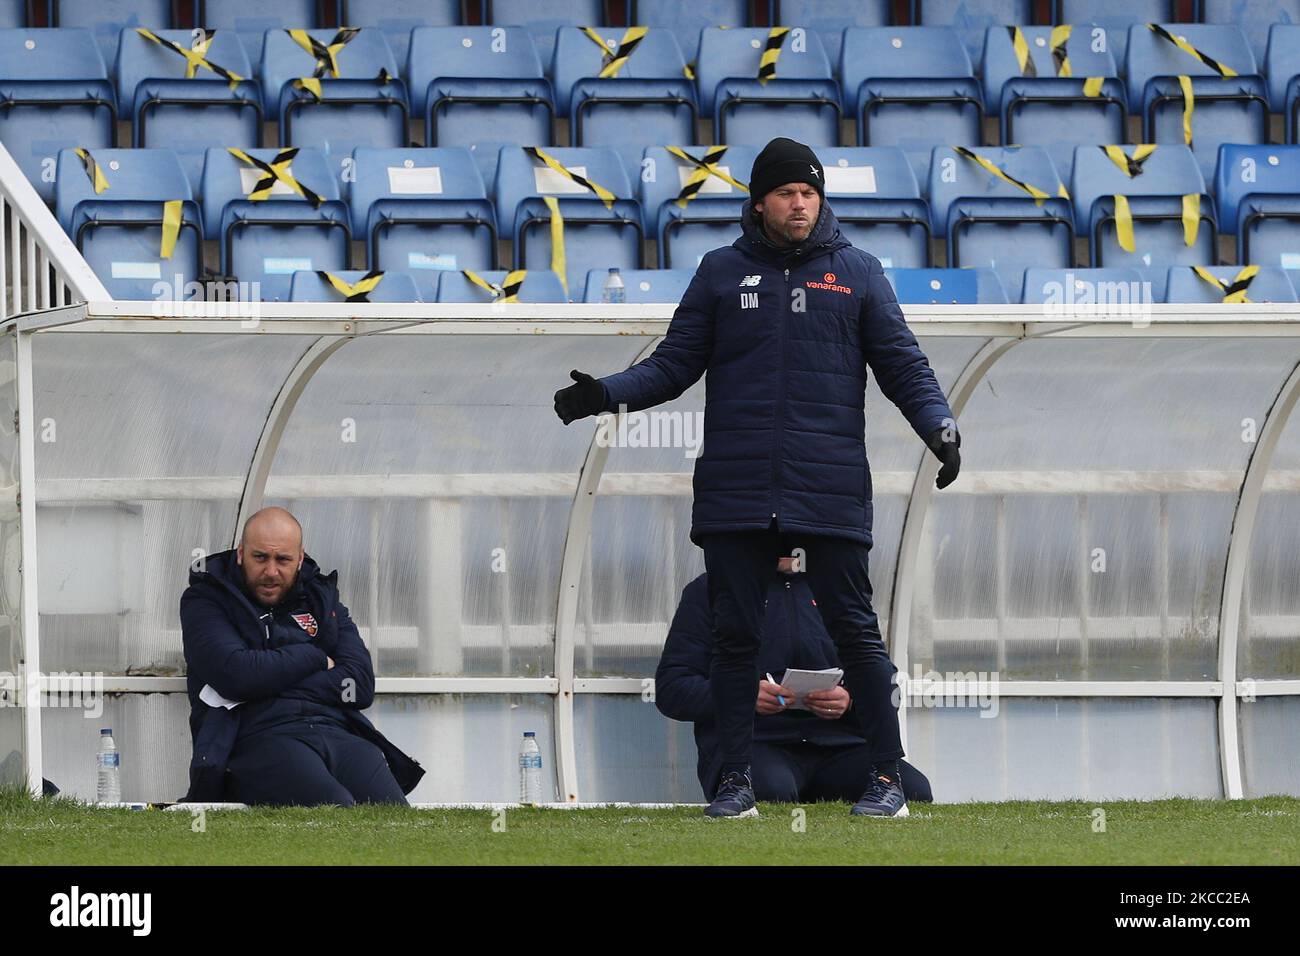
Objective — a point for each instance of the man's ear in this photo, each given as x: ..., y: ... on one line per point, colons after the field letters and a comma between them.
x: 239, y: 556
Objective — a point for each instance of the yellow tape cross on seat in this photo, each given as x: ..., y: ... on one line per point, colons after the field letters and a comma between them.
x: 171, y: 218
x: 614, y: 60
x: 277, y: 170
x: 355, y: 291
x: 326, y: 54
x: 1234, y: 291
x: 993, y: 170
x: 1132, y: 165
x: 196, y: 56
x: 507, y: 291
x: 1185, y: 82
x: 704, y: 168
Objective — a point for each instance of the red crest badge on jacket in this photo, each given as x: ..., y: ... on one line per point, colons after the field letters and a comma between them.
x: 307, y: 623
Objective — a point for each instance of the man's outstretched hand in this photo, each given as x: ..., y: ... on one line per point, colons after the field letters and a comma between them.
x: 944, y: 443
x: 586, y: 397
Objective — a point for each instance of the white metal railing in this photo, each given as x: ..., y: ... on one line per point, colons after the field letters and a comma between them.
x: 40, y: 267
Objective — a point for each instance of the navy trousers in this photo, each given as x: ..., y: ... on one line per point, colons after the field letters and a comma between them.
x: 309, y: 762
x: 740, y: 567
x: 802, y: 772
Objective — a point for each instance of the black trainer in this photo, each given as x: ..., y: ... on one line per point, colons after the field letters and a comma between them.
x: 884, y: 798
x: 734, y: 799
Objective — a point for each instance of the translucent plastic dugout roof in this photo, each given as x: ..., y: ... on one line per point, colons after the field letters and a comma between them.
x: 1117, y: 549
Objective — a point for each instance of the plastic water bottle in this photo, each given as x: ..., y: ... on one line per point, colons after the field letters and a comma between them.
x: 108, y: 788
x: 530, y: 770
x: 614, y: 292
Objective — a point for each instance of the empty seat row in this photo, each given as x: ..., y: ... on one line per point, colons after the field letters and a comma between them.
x: 686, y: 17
x: 1083, y: 292
x: 904, y: 86
x: 570, y: 209
x: 533, y: 285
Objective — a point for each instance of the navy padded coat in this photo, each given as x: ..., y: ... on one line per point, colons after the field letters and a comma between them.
x: 786, y: 337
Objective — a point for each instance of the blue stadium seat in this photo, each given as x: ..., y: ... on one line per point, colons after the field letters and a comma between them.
x: 1228, y: 109
x: 54, y: 94
x: 252, y: 18
x: 1259, y: 284
x: 947, y: 286
x: 397, y: 18
x: 688, y: 222
x: 649, y: 94
x: 1252, y: 17
x: 481, y: 87
x: 801, y: 99
x: 1061, y: 97
x: 386, y: 287
x: 686, y: 18
x: 1283, y: 74
x: 188, y: 114
x: 269, y: 238
x: 543, y: 17
x: 1257, y: 189
x: 831, y: 18
x: 595, y: 235
x: 363, y: 105
x: 538, y: 285
x: 1074, y: 289
x: 122, y: 208
x: 13, y: 14
x: 878, y: 203
x: 422, y: 211
x: 1115, y: 17
x: 992, y: 222
x: 1165, y: 188
x: 972, y: 18
x: 106, y: 19
x: 642, y: 285
x: 911, y: 87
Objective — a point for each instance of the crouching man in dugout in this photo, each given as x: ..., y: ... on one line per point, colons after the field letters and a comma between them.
x: 804, y: 750
x: 277, y: 679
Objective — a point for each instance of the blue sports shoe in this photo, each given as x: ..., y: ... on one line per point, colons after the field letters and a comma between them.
x: 734, y: 799
x: 884, y: 798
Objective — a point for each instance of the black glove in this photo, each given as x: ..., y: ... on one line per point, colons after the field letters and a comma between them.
x: 947, y: 453
x: 585, y: 398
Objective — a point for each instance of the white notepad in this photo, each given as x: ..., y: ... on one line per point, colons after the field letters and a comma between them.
x: 803, y: 683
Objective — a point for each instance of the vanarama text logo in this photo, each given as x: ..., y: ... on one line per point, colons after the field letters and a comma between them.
x: 828, y: 282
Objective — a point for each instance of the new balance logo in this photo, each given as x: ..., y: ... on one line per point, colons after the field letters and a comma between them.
x: 750, y: 280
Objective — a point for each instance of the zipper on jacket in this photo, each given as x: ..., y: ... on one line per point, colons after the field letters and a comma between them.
x: 789, y: 607
x: 780, y: 404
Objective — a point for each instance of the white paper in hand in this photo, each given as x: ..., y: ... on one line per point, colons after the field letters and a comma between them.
x: 210, y: 697
x: 802, y: 683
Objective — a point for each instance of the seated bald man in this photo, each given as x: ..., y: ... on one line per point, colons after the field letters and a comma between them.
x: 278, y: 677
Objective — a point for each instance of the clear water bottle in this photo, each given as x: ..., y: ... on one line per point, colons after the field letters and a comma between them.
x: 614, y: 292
x: 530, y: 770
x: 108, y: 787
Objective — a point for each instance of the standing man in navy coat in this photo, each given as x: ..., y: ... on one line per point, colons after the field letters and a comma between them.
x: 786, y: 322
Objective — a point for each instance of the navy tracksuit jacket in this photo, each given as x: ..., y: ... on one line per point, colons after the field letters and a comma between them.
x: 271, y: 661
x: 786, y: 337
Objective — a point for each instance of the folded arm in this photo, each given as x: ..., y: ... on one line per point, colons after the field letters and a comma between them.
x: 216, y: 654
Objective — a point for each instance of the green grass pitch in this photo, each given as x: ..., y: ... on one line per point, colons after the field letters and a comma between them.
x: 1173, y: 832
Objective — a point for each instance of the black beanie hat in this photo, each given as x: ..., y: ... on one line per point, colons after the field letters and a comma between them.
x: 785, y: 161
